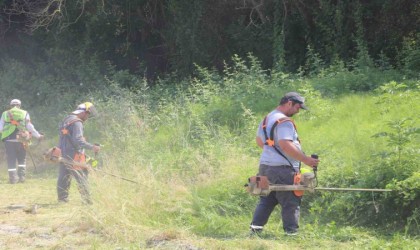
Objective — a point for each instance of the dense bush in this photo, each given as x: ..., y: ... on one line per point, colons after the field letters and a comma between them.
x: 391, y: 163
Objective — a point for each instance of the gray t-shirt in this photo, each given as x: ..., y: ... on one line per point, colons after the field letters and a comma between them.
x: 74, y: 141
x: 283, y: 131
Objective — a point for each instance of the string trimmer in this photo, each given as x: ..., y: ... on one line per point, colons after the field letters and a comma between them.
x: 260, y: 185
x: 54, y: 155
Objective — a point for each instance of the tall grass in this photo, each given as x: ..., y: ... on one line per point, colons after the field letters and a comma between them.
x: 193, y: 154
x: 190, y: 146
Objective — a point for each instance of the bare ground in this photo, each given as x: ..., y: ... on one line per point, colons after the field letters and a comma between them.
x: 31, y: 218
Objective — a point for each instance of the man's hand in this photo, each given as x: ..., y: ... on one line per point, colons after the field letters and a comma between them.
x: 310, y: 161
x: 41, y: 137
x: 96, y: 148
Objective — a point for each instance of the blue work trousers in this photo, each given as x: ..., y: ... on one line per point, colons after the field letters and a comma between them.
x: 289, y: 202
x: 65, y: 173
x: 15, y: 152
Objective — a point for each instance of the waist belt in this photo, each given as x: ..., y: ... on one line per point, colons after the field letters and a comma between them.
x: 284, y: 166
x: 278, y: 166
x: 287, y: 167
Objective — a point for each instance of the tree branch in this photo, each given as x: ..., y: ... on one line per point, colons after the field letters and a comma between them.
x: 42, y: 13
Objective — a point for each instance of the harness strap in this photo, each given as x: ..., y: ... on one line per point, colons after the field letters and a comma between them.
x: 22, y: 135
x: 270, y: 140
x: 65, y: 132
x: 64, y: 129
x: 78, y: 157
x: 12, y: 121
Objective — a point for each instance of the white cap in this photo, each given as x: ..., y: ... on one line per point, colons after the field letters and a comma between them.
x: 86, y: 107
x: 15, y: 102
x: 80, y: 109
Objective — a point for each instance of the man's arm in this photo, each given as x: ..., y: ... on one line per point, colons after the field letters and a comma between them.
x: 30, y: 127
x: 260, y: 134
x: 260, y: 143
x: 291, y: 150
x: 1, y: 123
x: 80, y: 139
x: 77, y: 136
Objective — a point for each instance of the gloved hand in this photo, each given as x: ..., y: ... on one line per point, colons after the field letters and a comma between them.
x: 96, y: 148
x: 41, y: 137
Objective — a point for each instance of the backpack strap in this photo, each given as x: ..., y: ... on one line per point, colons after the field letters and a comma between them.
x: 12, y: 121
x: 269, y: 141
x: 64, y: 130
x: 66, y: 133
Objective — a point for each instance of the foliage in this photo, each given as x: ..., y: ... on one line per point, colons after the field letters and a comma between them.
x: 392, y: 164
x: 155, y: 38
x: 410, y: 56
x: 190, y: 145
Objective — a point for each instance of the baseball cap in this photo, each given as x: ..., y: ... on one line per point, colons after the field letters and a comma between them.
x: 15, y: 102
x: 293, y: 96
x: 86, y: 107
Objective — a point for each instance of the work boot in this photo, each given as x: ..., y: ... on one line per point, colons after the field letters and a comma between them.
x: 21, y: 174
x: 13, y: 181
x: 21, y: 179
x: 13, y: 178
x: 63, y: 200
x: 291, y: 233
x: 255, y: 231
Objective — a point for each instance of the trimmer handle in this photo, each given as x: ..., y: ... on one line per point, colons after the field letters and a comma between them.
x: 315, y: 156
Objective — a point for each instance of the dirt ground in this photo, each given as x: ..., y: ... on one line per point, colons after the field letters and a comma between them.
x: 31, y: 218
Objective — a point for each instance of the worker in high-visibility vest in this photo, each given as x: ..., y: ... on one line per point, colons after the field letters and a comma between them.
x: 16, y: 132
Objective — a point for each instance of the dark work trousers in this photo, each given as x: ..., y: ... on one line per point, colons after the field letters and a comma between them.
x: 15, y: 152
x: 64, y: 180
x: 289, y: 202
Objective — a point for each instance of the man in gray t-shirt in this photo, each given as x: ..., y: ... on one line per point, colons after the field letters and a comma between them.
x: 282, y: 131
x: 280, y: 160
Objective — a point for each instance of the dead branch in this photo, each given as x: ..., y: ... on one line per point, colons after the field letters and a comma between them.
x: 255, y: 7
x: 42, y: 13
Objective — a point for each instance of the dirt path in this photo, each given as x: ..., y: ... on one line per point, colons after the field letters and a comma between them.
x: 31, y: 218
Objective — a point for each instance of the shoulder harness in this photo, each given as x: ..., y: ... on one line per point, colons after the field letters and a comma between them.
x: 64, y: 131
x: 12, y: 120
x: 269, y: 140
